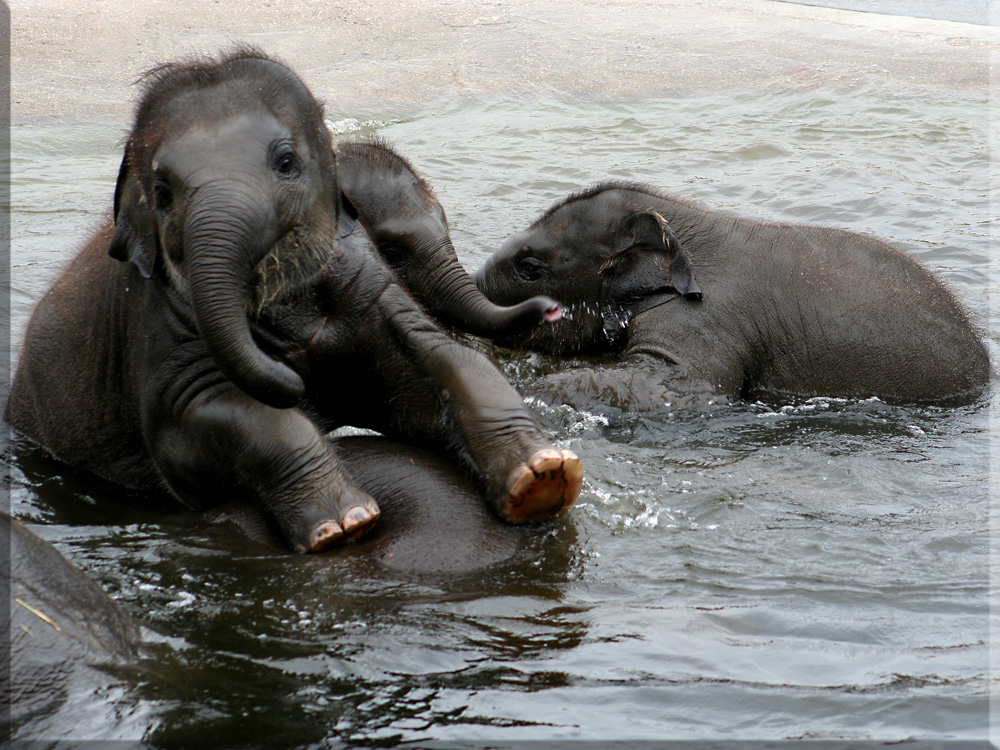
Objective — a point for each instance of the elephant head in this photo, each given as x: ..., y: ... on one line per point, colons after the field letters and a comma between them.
x: 408, y: 227
x: 228, y: 194
x: 604, y: 256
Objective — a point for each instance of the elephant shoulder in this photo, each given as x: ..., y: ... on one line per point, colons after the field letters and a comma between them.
x: 67, y: 391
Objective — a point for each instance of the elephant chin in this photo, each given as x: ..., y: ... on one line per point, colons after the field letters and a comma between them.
x: 287, y: 270
x: 479, y: 279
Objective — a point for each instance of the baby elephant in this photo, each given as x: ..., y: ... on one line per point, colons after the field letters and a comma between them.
x: 698, y: 301
x: 234, y: 311
x: 408, y: 227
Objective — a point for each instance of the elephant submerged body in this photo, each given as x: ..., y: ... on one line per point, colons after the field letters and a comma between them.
x: 695, y: 301
x: 61, y: 626
x: 433, y: 520
x: 251, y: 314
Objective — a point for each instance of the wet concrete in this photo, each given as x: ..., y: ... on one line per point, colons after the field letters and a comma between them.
x: 390, y: 57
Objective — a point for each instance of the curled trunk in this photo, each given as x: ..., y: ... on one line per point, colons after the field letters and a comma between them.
x: 453, y: 296
x: 225, y: 239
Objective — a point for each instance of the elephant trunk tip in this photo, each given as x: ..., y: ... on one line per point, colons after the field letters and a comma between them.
x: 493, y: 319
x: 538, y: 310
x: 553, y: 312
x: 532, y: 312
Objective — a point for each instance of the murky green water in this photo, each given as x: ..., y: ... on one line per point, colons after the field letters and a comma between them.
x: 766, y: 571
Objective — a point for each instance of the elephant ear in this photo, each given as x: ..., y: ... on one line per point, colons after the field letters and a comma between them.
x: 348, y: 217
x: 650, y: 264
x: 134, y: 239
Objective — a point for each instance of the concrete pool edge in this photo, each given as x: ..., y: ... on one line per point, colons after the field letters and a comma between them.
x: 391, y: 56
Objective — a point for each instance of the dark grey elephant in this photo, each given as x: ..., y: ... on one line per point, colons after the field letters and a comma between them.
x: 408, y: 226
x: 433, y: 518
x: 242, y: 312
x: 61, y: 626
x: 689, y: 299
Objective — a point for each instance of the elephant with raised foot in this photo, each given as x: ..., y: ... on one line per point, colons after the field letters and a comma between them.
x: 691, y: 300
x: 201, y: 343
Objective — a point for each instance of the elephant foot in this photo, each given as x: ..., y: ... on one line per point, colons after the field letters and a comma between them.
x: 328, y: 533
x: 545, y: 487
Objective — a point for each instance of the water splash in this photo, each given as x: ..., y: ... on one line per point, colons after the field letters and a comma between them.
x: 810, y: 406
x: 353, y: 126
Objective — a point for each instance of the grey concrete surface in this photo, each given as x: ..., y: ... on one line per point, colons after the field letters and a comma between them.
x: 74, y: 58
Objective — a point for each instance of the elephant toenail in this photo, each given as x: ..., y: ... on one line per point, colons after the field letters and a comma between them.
x: 324, y: 535
x: 358, y: 520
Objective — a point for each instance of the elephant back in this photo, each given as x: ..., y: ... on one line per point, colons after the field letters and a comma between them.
x: 61, y: 624
x: 434, y: 519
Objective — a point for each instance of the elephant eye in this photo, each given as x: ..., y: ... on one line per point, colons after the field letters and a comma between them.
x: 285, y: 162
x: 530, y: 268
x: 394, y: 255
x: 163, y: 194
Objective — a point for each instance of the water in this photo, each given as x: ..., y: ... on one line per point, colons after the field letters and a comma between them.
x: 762, y: 571
x: 962, y: 11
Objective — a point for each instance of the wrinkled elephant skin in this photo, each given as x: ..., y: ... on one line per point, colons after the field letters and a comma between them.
x: 696, y: 301
x: 203, y: 343
x: 408, y: 226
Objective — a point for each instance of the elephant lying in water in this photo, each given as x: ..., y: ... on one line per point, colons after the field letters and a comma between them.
x: 695, y: 300
x: 61, y: 624
x: 433, y: 519
x: 203, y: 342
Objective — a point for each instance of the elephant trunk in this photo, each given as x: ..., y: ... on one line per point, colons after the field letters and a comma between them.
x: 227, y: 234
x: 454, y: 296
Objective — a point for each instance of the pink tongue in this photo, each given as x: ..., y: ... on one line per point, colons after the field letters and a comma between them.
x: 553, y: 314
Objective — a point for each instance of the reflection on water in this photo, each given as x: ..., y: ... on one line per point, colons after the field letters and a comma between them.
x: 815, y: 569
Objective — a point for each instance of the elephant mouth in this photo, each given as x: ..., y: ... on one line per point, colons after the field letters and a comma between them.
x: 287, y: 271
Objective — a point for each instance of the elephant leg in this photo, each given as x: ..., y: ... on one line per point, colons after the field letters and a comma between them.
x: 228, y: 446
x: 455, y: 396
x: 527, y: 479
x: 434, y: 520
